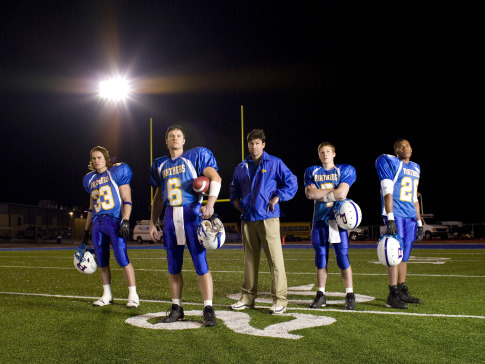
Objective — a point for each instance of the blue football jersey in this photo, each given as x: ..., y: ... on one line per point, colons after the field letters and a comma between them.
x: 322, y: 178
x: 104, y: 189
x: 175, y: 177
x: 405, y: 178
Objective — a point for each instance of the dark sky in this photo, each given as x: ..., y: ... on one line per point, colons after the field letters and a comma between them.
x: 311, y: 71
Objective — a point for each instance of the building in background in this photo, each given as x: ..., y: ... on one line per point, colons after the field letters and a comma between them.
x: 45, y: 221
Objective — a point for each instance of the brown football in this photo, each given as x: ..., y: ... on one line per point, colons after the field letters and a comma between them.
x: 201, y: 184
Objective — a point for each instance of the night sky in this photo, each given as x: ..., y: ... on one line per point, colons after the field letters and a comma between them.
x: 311, y: 71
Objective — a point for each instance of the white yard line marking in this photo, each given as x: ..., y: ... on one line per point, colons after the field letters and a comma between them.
x: 397, y: 313
x: 261, y: 272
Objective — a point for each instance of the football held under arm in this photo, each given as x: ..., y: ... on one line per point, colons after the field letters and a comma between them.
x: 215, y: 184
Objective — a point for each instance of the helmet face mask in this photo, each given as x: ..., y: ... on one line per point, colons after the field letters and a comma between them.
x: 84, y: 260
x: 390, y: 250
x: 211, y: 233
x: 347, y: 214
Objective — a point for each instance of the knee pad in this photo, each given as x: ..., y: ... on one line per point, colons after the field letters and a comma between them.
x: 343, y: 261
x: 407, y: 251
x: 320, y: 261
x: 121, y: 253
x: 175, y: 258
x: 199, y: 258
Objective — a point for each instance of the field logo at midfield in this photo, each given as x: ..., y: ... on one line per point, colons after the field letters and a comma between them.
x: 239, y: 321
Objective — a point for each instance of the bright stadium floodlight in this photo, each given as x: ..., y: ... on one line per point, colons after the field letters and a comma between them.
x: 115, y: 89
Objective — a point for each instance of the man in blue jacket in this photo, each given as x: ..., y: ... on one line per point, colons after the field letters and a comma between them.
x: 259, y: 183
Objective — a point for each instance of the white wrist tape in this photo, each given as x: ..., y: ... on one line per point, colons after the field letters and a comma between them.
x: 390, y: 216
x: 420, y: 223
x: 329, y: 198
x: 214, y: 189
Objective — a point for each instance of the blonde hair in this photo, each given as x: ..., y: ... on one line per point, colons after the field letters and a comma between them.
x: 325, y: 144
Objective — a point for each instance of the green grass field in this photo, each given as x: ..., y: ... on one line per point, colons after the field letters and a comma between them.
x: 47, y: 316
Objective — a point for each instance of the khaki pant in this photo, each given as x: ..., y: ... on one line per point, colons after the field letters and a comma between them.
x: 265, y: 233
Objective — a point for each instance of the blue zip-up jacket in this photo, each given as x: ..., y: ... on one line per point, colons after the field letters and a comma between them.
x: 272, y: 178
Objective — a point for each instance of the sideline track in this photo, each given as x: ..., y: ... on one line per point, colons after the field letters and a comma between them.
x: 453, y: 244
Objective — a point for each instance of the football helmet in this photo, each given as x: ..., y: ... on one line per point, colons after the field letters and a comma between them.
x: 347, y: 214
x: 390, y: 250
x: 84, y: 260
x: 211, y: 233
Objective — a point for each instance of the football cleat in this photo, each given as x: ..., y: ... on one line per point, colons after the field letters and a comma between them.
x: 393, y: 300
x: 404, y: 295
x: 390, y: 250
x: 103, y: 301
x: 209, y: 316
x: 239, y: 306
x: 211, y: 233
x: 350, y: 301
x: 319, y: 301
x: 277, y: 309
x: 176, y: 314
x: 347, y: 214
x: 133, y: 302
x: 85, y: 260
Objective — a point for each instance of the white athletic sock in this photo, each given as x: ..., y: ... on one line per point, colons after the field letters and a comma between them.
x: 207, y: 303
x: 177, y: 301
x: 107, y: 291
x: 132, y: 292
x: 321, y: 289
x: 349, y: 290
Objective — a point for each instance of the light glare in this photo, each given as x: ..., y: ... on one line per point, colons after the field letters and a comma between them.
x: 116, y: 89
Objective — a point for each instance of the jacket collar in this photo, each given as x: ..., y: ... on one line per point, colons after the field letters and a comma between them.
x: 264, y: 156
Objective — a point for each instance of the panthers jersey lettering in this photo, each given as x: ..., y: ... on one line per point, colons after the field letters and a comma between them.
x: 322, y: 178
x: 405, y: 180
x: 104, y: 189
x: 175, y: 176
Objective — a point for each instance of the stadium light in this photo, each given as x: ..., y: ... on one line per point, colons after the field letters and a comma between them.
x: 115, y: 89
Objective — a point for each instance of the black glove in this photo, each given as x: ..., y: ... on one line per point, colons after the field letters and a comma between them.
x: 85, y: 237
x: 125, y: 229
x: 391, y: 228
x: 419, y: 234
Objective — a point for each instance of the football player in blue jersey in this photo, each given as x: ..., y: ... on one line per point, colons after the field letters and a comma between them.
x: 325, y: 184
x: 259, y: 184
x: 109, y: 213
x: 172, y: 176
x: 399, y: 178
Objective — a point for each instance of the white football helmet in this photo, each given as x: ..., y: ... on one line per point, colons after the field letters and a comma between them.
x: 347, y: 214
x: 390, y: 250
x: 84, y: 260
x: 211, y: 233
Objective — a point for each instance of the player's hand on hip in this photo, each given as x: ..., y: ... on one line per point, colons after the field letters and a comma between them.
x: 272, y: 203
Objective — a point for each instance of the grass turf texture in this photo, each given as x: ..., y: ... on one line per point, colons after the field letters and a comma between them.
x: 47, y: 314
